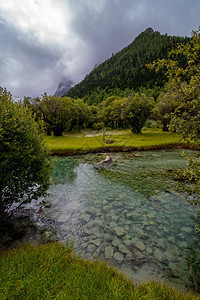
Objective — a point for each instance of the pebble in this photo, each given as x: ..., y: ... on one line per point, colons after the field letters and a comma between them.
x: 140, y: 245
x: 119, y: 257
x: 119, y: 231
x: 109, y: 252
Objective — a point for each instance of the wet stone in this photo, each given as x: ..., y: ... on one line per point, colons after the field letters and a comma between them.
x: 109, y: 252
x: 123, y: 249
x: 108, y: 230
x: 116, y: 242
x: 90, y: 224
x: 119, y: 231
x: 140, y: 245
x: 186, y: 229
x: 91, y: 248
x: 96, y: 242
x: 86, y: 218
x: 113, y: 224
x: 96, y: 232
x: 183, y: 244
x: 127, y: 242
x: 159, y: 255
x: 119, y: 257
x: 108, y: 237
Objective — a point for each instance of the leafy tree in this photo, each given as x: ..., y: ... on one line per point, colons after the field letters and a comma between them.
x: 82, y: 114
x: 58, y: 113
x: 128, y: 112
x: 137, y: 111
x: 166, y: 104
x: 24, y: 160
x: 184, y: 83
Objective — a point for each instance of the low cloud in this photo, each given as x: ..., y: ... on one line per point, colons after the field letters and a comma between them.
x: 43, y: 40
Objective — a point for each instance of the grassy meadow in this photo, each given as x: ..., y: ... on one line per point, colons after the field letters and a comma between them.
x: 124, y: 139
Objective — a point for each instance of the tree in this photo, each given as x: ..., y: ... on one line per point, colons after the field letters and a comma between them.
x: 58, y: 113
x: 183, y: 72
x: 82, y: 114
x: 137, y: 109
x: 25, y: 163
x: 166, y: 104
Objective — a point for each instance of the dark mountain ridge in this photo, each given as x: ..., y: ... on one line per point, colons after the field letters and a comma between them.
x: 127, y: 68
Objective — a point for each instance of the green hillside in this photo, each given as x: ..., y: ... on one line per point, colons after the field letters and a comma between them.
x: 126, y: 70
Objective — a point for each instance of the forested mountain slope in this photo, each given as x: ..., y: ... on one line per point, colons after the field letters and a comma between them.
x: 126, y: 70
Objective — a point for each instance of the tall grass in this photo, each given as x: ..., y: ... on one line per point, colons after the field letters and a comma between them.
x: 52, y: 271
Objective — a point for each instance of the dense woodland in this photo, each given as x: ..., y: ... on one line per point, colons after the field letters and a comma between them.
x: 126, y: 72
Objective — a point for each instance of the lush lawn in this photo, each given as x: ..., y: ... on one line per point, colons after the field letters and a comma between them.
x: 52, y: 271
x: 123, y: 139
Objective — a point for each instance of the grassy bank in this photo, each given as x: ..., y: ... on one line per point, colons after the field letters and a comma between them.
x: 52, y: 271
x: 85, y: 142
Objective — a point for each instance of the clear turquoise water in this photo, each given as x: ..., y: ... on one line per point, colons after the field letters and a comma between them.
x: 129, y: 214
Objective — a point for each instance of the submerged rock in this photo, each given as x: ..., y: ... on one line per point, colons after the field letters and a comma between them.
x: 109, y: 252
x: 119, y: 231
x: 119, y: 257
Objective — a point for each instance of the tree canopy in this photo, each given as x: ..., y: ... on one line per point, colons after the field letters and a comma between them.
x: 24, y: 160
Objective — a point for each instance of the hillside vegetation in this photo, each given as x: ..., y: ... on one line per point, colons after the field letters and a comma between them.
x: 126, y: 70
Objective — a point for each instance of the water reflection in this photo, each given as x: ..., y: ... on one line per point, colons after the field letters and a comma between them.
x: 129, y: 215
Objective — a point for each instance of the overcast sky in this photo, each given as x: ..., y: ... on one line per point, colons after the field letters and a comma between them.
x: 43, y: 40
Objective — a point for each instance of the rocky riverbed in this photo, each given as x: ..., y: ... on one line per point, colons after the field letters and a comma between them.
x: 130, y: 214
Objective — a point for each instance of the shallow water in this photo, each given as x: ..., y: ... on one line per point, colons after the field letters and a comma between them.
x: 129, y: 214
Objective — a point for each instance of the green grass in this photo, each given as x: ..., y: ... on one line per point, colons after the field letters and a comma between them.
x: 122, y: 139
x: 52, y: 271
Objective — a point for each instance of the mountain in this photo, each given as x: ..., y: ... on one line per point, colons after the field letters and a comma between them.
x: 63, y: 87
x: 126, y: 70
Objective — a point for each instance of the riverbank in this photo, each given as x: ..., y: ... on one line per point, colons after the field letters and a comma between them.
x: 115, y: 141
x: 53, y: 271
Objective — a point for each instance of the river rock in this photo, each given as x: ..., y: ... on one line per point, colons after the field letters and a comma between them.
x: 91, y: 248
x: 128, y: 256
x: 123, y: 249
x: 127, y: 242
x: 90, y: 224
x: 159, y: 255
x: 119, y: 231
x: 113, y: 224
x: 119, y: 257
x: 96, y: 232
x: 96, y: 242
x: 109, y: 252
x: 98, y: 222
x: 116, y: 242
x: 86, y: 218
x: 108, y: 237
x: 186, y: 229
x: 183, y: 244
x: 161, y: 243
x: 140, y: 245
x: 108, y: 230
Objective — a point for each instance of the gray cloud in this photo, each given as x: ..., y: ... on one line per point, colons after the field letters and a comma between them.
x: 36, y: 53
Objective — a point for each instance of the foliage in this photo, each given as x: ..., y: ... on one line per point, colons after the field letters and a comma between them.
x: 166, y: 104
x: 82, y: 115
x: 184, y: 89
x: 53, y: 271
x: 125, y: 72
x: 184, y: 81
x: 58, y: 113
x: 137, y: 111
x: 132, y: 112
x: 24, y: 160
x: 183, y: 71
